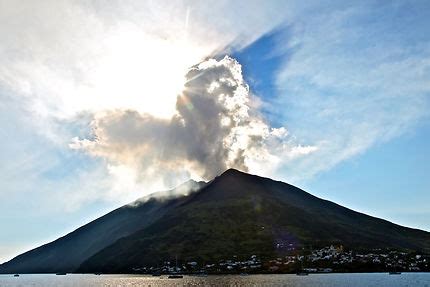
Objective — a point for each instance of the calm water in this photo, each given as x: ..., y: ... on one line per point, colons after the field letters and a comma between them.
x: 320, y: 280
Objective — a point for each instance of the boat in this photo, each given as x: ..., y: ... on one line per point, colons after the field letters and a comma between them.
x: 395, y: 270
x: 16, y: 275
x: 61, y: 273
x: 175, y: 276
x: 302, y: 272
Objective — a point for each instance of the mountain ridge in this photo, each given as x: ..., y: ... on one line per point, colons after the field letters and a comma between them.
x: 115, y: 224
x: 235, y: 213
x: 256, y: 214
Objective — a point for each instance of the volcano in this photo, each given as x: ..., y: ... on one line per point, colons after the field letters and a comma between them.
x: 235, y: 214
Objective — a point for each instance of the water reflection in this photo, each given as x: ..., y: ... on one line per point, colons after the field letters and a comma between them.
x: 317, y: 280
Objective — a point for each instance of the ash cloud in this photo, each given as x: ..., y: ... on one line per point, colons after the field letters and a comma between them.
x: 216, y: 127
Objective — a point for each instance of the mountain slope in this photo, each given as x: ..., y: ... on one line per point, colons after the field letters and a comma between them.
x: 68, y: 252
x: 241, y: 214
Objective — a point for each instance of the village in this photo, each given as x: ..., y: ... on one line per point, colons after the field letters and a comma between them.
x: 336, y: 259
x: 324, y: 260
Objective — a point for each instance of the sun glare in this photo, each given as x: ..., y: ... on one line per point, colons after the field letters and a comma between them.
x: 136, y: 71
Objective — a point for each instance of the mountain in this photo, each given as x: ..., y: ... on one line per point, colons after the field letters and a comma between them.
x: 67, y: 253
x: 236, y: 214
x: 241, y: 214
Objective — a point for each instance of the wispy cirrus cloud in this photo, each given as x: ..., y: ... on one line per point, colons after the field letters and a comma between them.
x: 94, y: 56
x: 354, y: 76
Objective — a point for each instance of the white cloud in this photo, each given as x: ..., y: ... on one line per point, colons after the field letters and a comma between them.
x: 95, y: 56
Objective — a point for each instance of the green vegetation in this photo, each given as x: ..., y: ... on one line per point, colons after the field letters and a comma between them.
x: 233, y: 217
x: 238, y: 215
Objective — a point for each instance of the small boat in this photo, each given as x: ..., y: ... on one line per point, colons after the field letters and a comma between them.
x: 394, y: 273
x: 302, y: 271
x: 175, y: 276
x: 16, y: 275
x: 61, y: 273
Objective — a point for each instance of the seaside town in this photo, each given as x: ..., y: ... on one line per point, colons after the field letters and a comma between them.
x: 325, y: 260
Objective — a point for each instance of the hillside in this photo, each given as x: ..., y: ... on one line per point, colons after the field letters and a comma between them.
x: 238, y: 214
x: 66, y: 253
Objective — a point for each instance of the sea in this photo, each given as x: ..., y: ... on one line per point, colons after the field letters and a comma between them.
x: 313, y: 280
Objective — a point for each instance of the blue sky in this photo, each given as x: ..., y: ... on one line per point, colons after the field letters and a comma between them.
x: 348, y: 84
x: 388, y: 181
x: 385, y: 174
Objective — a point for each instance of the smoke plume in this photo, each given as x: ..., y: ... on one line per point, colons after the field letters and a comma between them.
x: 216, y: 127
